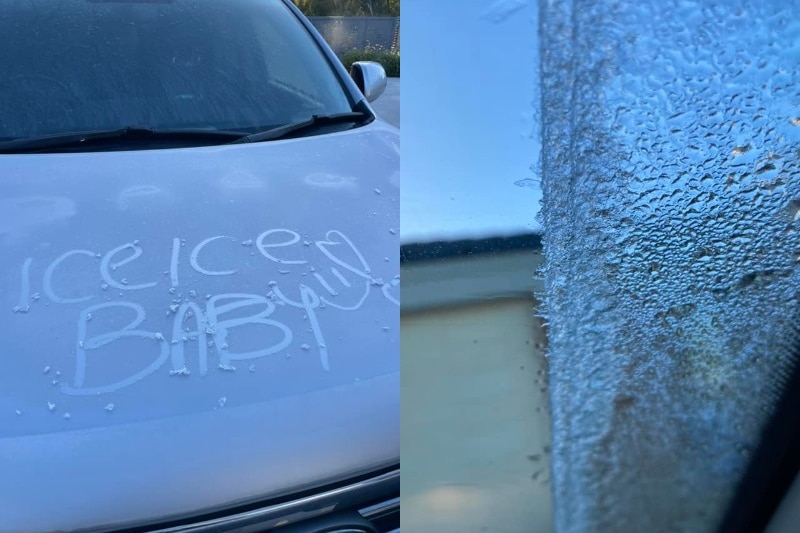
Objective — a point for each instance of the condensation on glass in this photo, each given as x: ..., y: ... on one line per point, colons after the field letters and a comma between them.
x: 671, y: 189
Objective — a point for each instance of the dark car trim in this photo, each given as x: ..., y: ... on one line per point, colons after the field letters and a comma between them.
x: 352, y: 495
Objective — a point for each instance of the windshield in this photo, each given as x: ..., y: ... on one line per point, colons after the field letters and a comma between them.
x: 88, y: 65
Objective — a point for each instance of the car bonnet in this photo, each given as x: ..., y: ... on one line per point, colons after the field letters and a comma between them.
x: 188, y: 329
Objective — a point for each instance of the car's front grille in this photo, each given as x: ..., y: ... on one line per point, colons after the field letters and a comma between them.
x: 370, y: 505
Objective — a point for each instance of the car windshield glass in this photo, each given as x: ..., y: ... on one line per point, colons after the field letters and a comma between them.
x: 81, y: 65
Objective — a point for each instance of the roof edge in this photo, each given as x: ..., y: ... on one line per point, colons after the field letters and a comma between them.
x: 435, y: 250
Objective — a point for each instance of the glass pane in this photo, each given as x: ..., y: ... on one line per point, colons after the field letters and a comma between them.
x: 474, y: 419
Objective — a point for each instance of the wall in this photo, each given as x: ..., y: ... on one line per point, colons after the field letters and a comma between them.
x: 349, y: 33
x: 475, y: 422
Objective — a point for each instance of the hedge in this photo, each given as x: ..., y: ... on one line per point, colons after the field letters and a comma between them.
x: 389, y: 60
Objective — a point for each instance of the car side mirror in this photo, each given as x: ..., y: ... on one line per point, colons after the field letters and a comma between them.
x: 370, y: 78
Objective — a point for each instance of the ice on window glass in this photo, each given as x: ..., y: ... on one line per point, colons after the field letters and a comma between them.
x: 671, y: 190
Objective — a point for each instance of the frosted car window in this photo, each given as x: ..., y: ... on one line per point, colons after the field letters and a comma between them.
x: 179, y: 64
x: 670, y: 175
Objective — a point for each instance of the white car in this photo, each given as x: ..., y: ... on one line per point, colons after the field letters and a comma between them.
x: 199, y: 266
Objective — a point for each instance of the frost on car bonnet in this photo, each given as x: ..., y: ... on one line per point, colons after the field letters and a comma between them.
x: 671, y: 189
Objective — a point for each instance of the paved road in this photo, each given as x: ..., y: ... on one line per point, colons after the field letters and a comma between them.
x: 388, y: 105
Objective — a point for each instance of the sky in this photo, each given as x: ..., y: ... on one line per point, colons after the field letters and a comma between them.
x: 468, y: 110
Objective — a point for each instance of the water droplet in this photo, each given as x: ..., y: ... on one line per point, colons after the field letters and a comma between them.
x: 531, y: 183
x: 740, y: 150
x: 765, y: 168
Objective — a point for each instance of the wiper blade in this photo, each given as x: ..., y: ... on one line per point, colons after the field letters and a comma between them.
x: 316, y: 121
x: 87, y: 138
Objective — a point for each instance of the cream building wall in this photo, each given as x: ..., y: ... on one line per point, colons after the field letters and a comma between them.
x: 474, y: 421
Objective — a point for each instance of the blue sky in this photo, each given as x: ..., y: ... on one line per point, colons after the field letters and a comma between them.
x: 470, y: 77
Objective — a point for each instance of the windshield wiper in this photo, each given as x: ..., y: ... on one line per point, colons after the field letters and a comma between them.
x: 316, y: 121
x: 136, y: 133
x: 88, y: 138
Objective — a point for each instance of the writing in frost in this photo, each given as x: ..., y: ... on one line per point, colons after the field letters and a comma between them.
x: 214, y: 317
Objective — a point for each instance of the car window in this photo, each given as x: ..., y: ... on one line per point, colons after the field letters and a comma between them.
x: 81, y: 65
x: 475, y: 417
x: 670, y: 181
x: 669, y: 153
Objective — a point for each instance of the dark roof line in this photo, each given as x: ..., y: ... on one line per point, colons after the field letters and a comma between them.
x: 430, y: 251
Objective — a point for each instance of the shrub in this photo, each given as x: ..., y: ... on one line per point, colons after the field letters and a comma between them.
x: 388, y: 59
